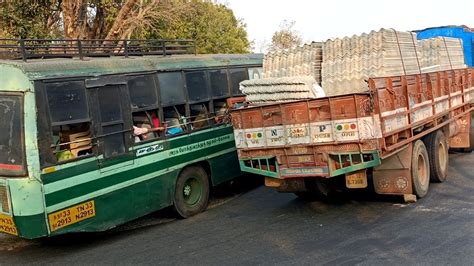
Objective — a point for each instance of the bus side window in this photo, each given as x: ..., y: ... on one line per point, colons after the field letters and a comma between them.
x: 176, y: 122
x: 199, y: 116
x: 237, y: 75
x: 144, y: 105
x: 219, y: 83
x: 72, y: 141
x: 70, y: 120
x: 148, y: 120
x: 220, y: 109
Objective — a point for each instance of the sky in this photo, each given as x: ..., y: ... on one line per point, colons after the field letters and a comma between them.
x: 321, y: 20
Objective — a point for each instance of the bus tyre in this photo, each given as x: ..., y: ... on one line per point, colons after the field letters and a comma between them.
x: 438, y: 154
x: 192, y: 192
x: 420, y: 169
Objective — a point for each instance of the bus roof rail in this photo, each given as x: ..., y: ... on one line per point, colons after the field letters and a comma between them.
x: 25, y: 49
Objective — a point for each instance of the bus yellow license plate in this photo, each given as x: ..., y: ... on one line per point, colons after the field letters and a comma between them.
x: 7, y: 225
x: 356, y: 180
x: 71, y: 215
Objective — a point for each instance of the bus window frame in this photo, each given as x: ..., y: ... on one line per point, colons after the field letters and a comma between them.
x: 231, y: 82
x: 217, y: 97
x: 24, y: 162
x: 68, y: 122
x: 155, y: 90
x: 93, y: 87
x: 45, y: 125
x: 207, y: 84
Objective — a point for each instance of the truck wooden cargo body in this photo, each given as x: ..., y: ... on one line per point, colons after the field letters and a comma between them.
x: 398, y: 132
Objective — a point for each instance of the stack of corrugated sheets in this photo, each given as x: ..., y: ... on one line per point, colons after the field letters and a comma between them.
x: 441, y: 53
x: 280, y: 89
x: 300, y: 61
x: 348, y: 62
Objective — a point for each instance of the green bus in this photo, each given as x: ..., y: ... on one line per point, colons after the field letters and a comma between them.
x: 92, y: 137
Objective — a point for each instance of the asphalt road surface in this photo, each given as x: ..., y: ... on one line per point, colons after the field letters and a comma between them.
x: 261, y: 226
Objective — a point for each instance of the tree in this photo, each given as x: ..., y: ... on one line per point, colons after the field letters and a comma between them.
x: 286, y: 37
x: 213, y: 26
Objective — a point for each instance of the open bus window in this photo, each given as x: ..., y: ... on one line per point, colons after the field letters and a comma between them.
x: 70, y: 122
x: 197, y: 86
x: 219, y: 83
x: 199, y: 116
x: 171, y: 88
x: 67, y: 102
x: 175, y: 119
x: 11, y: 137
x: 220, y: 109
x: 71, y: 141
x: 149, y: 121
x: 237, y: 75
x: 142, y: 92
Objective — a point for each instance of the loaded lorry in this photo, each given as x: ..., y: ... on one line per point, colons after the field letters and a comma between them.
x: 394, y: 137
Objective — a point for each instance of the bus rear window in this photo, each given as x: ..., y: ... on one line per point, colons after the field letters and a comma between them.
x: 11, y: 137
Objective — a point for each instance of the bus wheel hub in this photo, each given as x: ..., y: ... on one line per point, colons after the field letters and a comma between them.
x: 187, y: 190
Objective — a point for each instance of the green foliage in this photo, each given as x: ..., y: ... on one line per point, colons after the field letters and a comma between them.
x: 24, y: 19
x: 213, y: 26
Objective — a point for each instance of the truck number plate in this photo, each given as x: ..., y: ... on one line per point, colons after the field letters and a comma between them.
x: 356, y: 180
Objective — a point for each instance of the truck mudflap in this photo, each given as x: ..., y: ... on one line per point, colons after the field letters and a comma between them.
x: 338, y: 164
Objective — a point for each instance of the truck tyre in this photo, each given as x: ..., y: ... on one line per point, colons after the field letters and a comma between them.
x: 471, y: 135
x: 438, y: 154
x: 420, y: 169
x: 191, y: 194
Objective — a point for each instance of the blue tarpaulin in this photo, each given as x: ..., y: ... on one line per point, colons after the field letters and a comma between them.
x: 461, y: 32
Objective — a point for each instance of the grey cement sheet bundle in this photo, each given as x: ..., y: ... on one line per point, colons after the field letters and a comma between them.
x: 300, y: 61
x: 343, y: 65
x: 348, y: 62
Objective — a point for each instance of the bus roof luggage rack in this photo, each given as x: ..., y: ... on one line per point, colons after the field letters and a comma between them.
x: 62, y: 48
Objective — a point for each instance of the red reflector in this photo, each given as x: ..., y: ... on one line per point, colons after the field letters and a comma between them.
x: 14, y: 167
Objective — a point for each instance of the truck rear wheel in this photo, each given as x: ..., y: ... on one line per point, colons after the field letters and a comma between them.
x: 192, y: 192
x: 471, y: 134
x: 438, y: 154
x: 420, y: 169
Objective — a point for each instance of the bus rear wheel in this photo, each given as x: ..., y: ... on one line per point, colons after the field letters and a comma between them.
x: 420, y: 169
x: 192, y: 192
x: 438, y: 153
